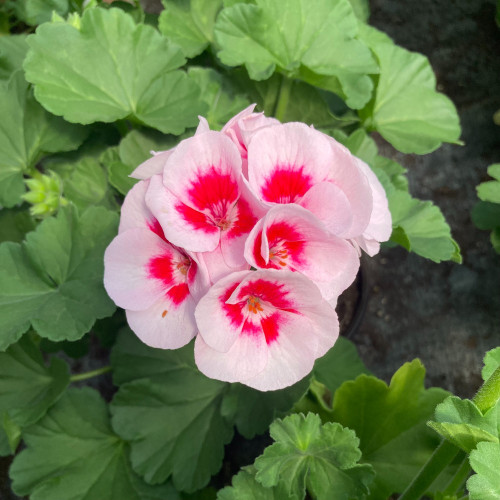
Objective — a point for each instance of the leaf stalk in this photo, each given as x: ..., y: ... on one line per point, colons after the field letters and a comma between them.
x: 93, y: 373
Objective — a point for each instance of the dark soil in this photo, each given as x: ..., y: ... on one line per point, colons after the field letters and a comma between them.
x: 446, y: 314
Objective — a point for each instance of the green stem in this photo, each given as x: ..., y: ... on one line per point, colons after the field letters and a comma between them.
x: 283, y: 98
x: 489, y: 393
x: 459, y: 478
x: 90, y: 374
x: 486, y: 398
x: 441, y: 457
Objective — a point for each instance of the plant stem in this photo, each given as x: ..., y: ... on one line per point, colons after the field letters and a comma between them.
x: 486, y: 398
x: 441, y: 457
x: 283, y: 98
x: 459, y: 478
x: 90, y: 374
x: 489, y: 392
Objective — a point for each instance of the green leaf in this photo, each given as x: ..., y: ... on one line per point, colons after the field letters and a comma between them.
x: 27, y: 135
x: 306, y: 104
x: 15, y: 223
x: 10, y: 435
x: 320, y: 458
x: 217, y: 92
x: 491, y: 363
x: 424, y: 226
x: 340, y: 363
x: 462, y: 423
x: 252, y: 411
x: 407, y: 110
x: 245, y: 487
x: 495, y: 239
x: 13, y: 50
x: 135, y: 148
x: 54, y: 279
x: 393, y: 170
x: 85, y: 183
x: 390, y: 422
x: 490, y: 190
x: 111, y: 69
x: 73, y: 451
x: 361, y: 8
x: 297, y: 37
x: 360, y: 144
x: 191, y: 447
x: 27, y: 387
x: 189, y: 24
x: 36, y: 12
x: 485, y: 484
x: 486, y: 215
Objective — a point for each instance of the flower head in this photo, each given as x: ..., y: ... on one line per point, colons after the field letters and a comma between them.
x: 284, y: 199
x: 156, y: 283
x: 263, y: 328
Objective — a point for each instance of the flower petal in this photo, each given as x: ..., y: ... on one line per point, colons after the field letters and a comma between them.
x: 272, y: 319
x: 183, y: 226
x: 296, y: 240
x: 135, y: 213
x: 380, y: 226
x: 220, y: 322
x: 285, y: 161
x: 217, y: 266
x: 331, y: 206
x: 349, y: 177
x: 245, y: 359
x: 289, y: 360
x: 135, y: 271
x: 152, y: 166
x: 165, y: 324
x: 204, y: 173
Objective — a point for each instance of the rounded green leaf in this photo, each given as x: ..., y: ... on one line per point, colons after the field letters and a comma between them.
x: 73, y: 453
x: 407, y: 110
x: 318, y: 35
x: 390, y: 422
x: 57, y: 284
x: 111, y: 68
x: 189, y: 24
x: 28, y: 133
x: 27, y: 387
x: 169, y: 412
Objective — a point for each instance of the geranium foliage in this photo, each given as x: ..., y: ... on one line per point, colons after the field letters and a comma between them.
x: 211, y: 170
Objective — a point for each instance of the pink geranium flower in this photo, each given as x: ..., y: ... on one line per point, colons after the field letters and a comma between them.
x: 202, y: 201
x: 156, y: 283
x: 290, y: 237
x: 242, y: 127
x: 293, y: 163
x: 263, y: 328
x: 379, y: 228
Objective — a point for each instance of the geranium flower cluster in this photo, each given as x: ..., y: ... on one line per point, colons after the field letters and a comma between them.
x: 244, y: 239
